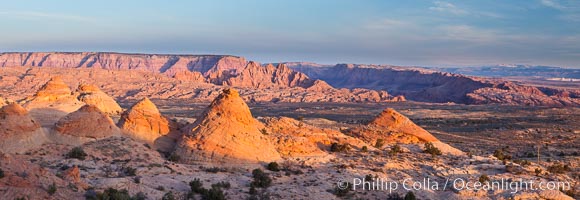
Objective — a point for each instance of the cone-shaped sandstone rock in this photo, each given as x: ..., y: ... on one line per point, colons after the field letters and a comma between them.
x: 18, y: 131
x: 87, y: 123
x: 51, y: 102
x: 226, y: 132
x: 392, y: 120
x: 143, y: 121
x: 92, y: 95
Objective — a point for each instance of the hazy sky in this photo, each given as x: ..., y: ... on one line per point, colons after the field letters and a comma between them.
x: 427, y: 33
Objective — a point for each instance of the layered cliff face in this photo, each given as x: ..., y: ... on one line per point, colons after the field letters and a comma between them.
x: 208, y: 65
x: 256, y: 76
x: 423, y: 85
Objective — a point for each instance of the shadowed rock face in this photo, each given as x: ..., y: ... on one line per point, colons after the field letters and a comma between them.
x: 18, y: 131
x: 226, y: 132
x: 87, y: 122
x: 144, y: 122
x: 430, y: 86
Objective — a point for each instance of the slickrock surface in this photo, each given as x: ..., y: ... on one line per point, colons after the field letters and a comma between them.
x: 226, y: 133
x: 86, y: 124
x: 144, y: 122
x: 18, y: 131
x: 92, y: 95
x: 295, y: 138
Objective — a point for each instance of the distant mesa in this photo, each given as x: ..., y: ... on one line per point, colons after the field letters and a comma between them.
x: 92, y: 95
x: 226, y: 133
x: 144, y: 122
x: 86, y: 124
x: 18, y: 131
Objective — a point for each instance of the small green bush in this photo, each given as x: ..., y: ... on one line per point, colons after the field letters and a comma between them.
x: 261, y: 179
x: 196, y: 186
x: 174, y: 157
x: 1, y: 173
x: 410, y: 196
x: 168, y: 196
x: 431, y: 149
x: 379, y: 143
x: 52, y: 189
x: 273, y: 166
x: 335, y: 147
x: 77, y: 153
x: 483, y: 178
x: 558, y: 168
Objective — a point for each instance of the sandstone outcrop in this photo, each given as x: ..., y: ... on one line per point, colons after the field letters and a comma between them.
x: 52, y: 101
x: 294, y: 138
x: 144, y: 122
x: 18, y: 131
x: 393, y: 127
x: 256, y: 76
x: 92, y: 95
x: 86, y: 124
x: 226, y: 133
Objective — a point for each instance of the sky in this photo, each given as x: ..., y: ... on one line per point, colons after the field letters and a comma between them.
x: 407, y: 32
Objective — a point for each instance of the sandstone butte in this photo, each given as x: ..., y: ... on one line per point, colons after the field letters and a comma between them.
x: 87, y: 123
x: 144, y: 122
x: 92, y: 95
x: 18, y: 131
x: 226, y: 133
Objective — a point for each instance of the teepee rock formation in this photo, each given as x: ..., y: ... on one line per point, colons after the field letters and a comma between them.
x: 18, y: 131
x: 226, y: 133
x: 393, y: 120
x: 51, y: 102
x: 86, y: 124
x: 143, y: 121
x: 92, y: 95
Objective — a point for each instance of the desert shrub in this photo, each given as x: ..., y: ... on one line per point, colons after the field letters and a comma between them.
x: 368, y: 178
x: 410, y: 196
x: 160, y: 188
x: 174, y: 157
x: 1, y: 173
x: 364, y: 149
x: 139, y: 196
x: 379, y: 143
x: 215, y: 193
x: 394, y: 196
x: 264, y: 131
x: 342, y: 191
x: 558, y: 168
x: 431, y: 149
x: 538, y: 171
x: 483, y: 178
x: 395, y: 149
x: 522, y: 162
x: 300, y: 118
x: 253, y: 190
x: 52, y: 189
x: 77, y: 153
x: 273, y: 166
x: 501, y: 154
x: 109, y: 194
x: 215, y: 170
x: 222, y: 184
x: 129, y: 171
x: 261, y: 179
x: 335, y: 147
x: 168, y: 196
x: 196, y: 186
